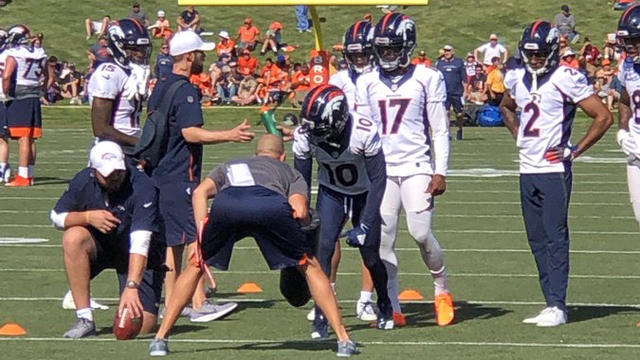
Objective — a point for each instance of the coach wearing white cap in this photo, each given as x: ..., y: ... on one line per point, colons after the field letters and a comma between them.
x: 109, y: 218
x: 178, y: 172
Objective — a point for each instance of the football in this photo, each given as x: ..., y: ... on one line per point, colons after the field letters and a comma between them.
x: 125, y: 327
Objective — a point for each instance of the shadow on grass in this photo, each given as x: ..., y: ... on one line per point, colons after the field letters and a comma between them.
x: 302, y: 345
x: 50, y: 181
x: 584, y: 313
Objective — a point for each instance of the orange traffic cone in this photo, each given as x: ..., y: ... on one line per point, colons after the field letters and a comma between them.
x: 410, y: 295
x: 12, y: 329
x: 249, y: 288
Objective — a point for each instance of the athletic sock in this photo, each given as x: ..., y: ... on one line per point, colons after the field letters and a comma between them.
x: 2, y: 166
x: 30, y: 171
x: 392, y: 287
x: 23, y: 171
x: 85, y: 313
x: 365, y: 296
x: 440, y: 282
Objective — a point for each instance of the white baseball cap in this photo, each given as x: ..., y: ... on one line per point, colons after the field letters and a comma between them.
x: 160, y: 13
x: 105, y: 157
x: 187, y: 41
x: 223, y: 34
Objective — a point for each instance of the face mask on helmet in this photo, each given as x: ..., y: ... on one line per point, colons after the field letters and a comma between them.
x: 139, y: 54
x: 630, y: 45
x: 358, y: 58
x: 538, y: 60
x: 390, y: 56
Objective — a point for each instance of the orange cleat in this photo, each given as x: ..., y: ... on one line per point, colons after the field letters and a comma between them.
x: 399, y: 319
x: 444, y: 308
x: 20, y: 181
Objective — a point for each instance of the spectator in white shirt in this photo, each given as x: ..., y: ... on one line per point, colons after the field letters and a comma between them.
x: 491, y: 50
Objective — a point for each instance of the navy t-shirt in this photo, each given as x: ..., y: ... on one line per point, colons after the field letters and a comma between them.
x: 135, y: 204
x: 164, y: 65
x: 454, y: 74
x: 188, y: 16
x: 183, y: 161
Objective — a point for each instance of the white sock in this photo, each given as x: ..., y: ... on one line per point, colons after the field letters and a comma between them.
x: 365, y: 296
x: 440, y: 282
x: 31, y: 167
x: 85, y: 313
x: 23, y: 171
x: 333, y: 288
x: 3, y: 166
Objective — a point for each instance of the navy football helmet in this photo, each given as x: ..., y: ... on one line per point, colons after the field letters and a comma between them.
x: 540, y: 40
x: 18, y: 35
x: 3, y: 39
x: 628, y: 33
x: 129, y: 42
x: 325, y: 114
x: 394, y: 39
x: 358, y: 49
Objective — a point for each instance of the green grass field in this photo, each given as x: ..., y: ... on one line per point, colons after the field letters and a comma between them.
x: 493, y: 276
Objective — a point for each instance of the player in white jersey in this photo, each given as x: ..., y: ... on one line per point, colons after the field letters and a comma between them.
x: 351, y: 177
x: 117, y: 90
x: 358, y: 53
x: 22, y: 82
x: 5, y: 169
x: 549, y: 96
x: 407, y: 102
x: 628, y: 135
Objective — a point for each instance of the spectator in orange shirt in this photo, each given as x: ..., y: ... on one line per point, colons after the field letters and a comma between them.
x: 300, y: 83
x: 273, y: 39
x: 247, y: 35
x: 226, y: 45
x: 270, y: 72
x: 247, y: 64
x: 495, y: 61
x: 569, y: 59
x: 162, y: 28
x: 422, y: 59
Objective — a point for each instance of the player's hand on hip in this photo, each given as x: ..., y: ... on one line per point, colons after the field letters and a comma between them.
x: 559, y: 154
x: 130, y: 299
x: 103, y: 220
x: 438, y: 185
x: 242, y: 133
x: 356, y: 236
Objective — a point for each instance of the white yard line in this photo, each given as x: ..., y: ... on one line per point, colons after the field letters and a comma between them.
x: 371, y: 343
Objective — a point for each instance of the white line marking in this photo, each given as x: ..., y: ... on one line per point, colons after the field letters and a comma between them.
x: 372, y: 343
x: 464, y: 275
x: 527, y: 251
x: 21, y: 240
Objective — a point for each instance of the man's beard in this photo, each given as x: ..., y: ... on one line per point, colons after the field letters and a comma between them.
x: 115, y: 181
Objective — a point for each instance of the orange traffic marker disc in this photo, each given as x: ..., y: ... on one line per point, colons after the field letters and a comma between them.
x: 12, y: 329
x: 249, y: 288
x: 410, y: 295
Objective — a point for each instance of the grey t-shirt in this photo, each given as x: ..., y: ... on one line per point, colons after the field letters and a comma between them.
x: 260, y: 171
x: 565, y: 24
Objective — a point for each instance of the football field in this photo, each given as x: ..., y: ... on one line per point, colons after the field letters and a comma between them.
x: 478, y: 221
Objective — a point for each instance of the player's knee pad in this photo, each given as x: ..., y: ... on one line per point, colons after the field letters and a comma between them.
x: 294, y: 287
x: 636, y: 210
x: 419, y: 225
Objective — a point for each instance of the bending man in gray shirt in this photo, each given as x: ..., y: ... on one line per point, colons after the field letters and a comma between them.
x: 264, y: 198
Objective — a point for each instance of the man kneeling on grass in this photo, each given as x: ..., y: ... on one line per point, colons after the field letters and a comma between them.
x: 109, y: 218
x: 266, y: 199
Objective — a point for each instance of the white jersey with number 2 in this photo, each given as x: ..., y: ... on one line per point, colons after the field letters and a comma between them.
x: 547, y: 114
x: 412, y: 119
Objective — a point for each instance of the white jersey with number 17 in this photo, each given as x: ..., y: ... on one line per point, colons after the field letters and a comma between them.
x: 547, y: 114
x: 411, y: 116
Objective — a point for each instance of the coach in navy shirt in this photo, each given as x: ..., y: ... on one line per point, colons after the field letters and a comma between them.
x: 164, y: 62
x: 455, y: 76
x: 178, y: 172
x: 109, y: 218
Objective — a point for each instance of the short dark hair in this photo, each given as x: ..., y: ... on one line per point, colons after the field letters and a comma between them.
x: 495, y: 58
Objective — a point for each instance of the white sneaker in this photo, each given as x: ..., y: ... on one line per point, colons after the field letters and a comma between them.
x: 365, y: 311
x: 68, y: 304
x: 311, y: 315
x: 553, y: 317
x: 536, y: 319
